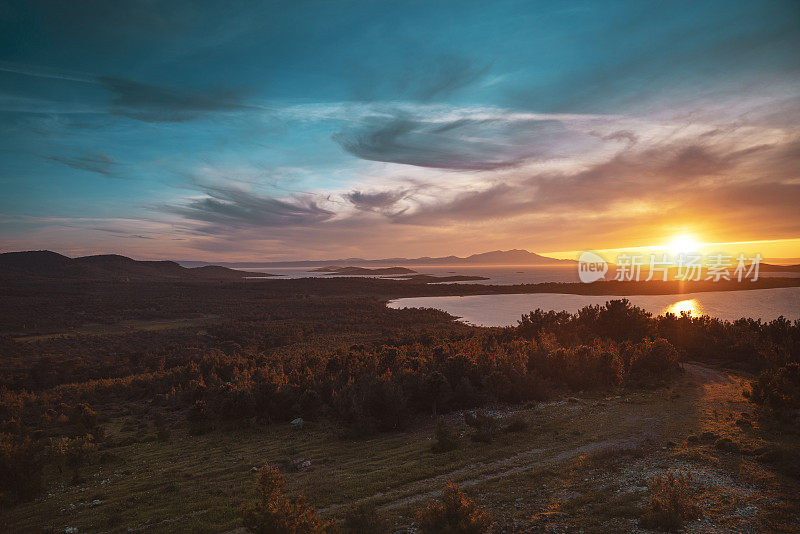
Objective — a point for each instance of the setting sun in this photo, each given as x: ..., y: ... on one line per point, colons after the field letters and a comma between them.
x: 683, y: 244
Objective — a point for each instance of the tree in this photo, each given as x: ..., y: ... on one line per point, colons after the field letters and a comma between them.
x: 274, y: 513
x: 21, y: 464
x: 777, y: 391
x: 453, y: 513
x: 671, y: 502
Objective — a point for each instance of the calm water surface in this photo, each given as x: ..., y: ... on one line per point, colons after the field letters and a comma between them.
x: 496, y: 274
x: 505, y: 310
x: 499, y: 275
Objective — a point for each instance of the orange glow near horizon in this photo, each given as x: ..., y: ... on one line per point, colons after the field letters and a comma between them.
x: 690, y: 243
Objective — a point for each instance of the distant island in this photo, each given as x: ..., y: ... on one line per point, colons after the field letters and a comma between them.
x: 401, y: 273
x: 333, y: 269
x: 496, y: 257
x: 449, y: 278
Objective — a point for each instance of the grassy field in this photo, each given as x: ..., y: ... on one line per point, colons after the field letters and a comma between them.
x: 122, y: 327
x: 582, y: 462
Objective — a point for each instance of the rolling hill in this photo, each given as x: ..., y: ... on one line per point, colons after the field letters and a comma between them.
x: 44, y: 264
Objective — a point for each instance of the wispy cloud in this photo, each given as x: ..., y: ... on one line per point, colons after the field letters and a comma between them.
x: 152, y: 103
x: 224, y: 209
x: 98, y: 163
x: 121, y: 232
x: 462, y: 144
x: 143, y: 101
x: 380, y: 201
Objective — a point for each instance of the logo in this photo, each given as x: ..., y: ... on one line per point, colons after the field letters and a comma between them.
x: 591, y: 267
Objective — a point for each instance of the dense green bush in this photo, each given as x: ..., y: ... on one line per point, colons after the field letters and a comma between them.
x: 583, y: 367
x: 651, y: 361
x: 746, y: 343
x: 777, y: 391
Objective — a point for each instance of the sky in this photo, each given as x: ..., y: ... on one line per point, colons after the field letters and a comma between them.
x: 326, y: 129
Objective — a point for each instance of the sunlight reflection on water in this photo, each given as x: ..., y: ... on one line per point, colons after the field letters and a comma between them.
x: 505, y: 310
x: 688, y: 306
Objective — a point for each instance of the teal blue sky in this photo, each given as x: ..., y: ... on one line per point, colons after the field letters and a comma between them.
x: 273, y: 130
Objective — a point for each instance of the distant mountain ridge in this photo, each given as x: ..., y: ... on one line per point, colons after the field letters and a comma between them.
x: 496, y: 257
x: 44, y: 264
x: 47, y: 265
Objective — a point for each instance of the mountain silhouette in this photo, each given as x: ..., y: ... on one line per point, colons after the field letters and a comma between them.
x: 47, y: 265
x: 496, y: 257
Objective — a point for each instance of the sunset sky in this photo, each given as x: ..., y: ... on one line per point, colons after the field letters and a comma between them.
x: 293, y: 130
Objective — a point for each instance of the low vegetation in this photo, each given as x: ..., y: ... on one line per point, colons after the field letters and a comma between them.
x: 777, y: 392
x: 408, y: 362
x: 363, y: 519
x: 671, y: 502
x: 484, y: 427
x: 453, y: 513
x: 272, y: 355
x: 446, y: 438
x: 275, y: 513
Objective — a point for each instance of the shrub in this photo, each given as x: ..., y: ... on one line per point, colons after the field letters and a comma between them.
x: 84, y: 418
x: 652, y: 361
x: 453, y: 513
x: 21, y: 464
x: 622, y: 321
x: 671, y: 503
x: 583, y: 367
x: 515, y: 423
x: 446, y: 438
x: 485, y: 426
x: 777, y: 391
x: 363, y: 519
x: 274, y: 513
x: 198, y: 418
x: 785, y: 460
x: 73, y: 453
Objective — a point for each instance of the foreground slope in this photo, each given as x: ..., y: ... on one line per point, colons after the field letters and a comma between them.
x: 582, y: 463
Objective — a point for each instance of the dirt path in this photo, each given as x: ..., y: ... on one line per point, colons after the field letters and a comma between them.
x: 638, y: 431
x: 536, y: 460
x: 633, y: 437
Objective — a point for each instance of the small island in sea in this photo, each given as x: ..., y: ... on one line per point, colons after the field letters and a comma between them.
x: 351, y: 271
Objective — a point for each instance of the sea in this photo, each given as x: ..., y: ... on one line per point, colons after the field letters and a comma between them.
x: 506, y: 310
